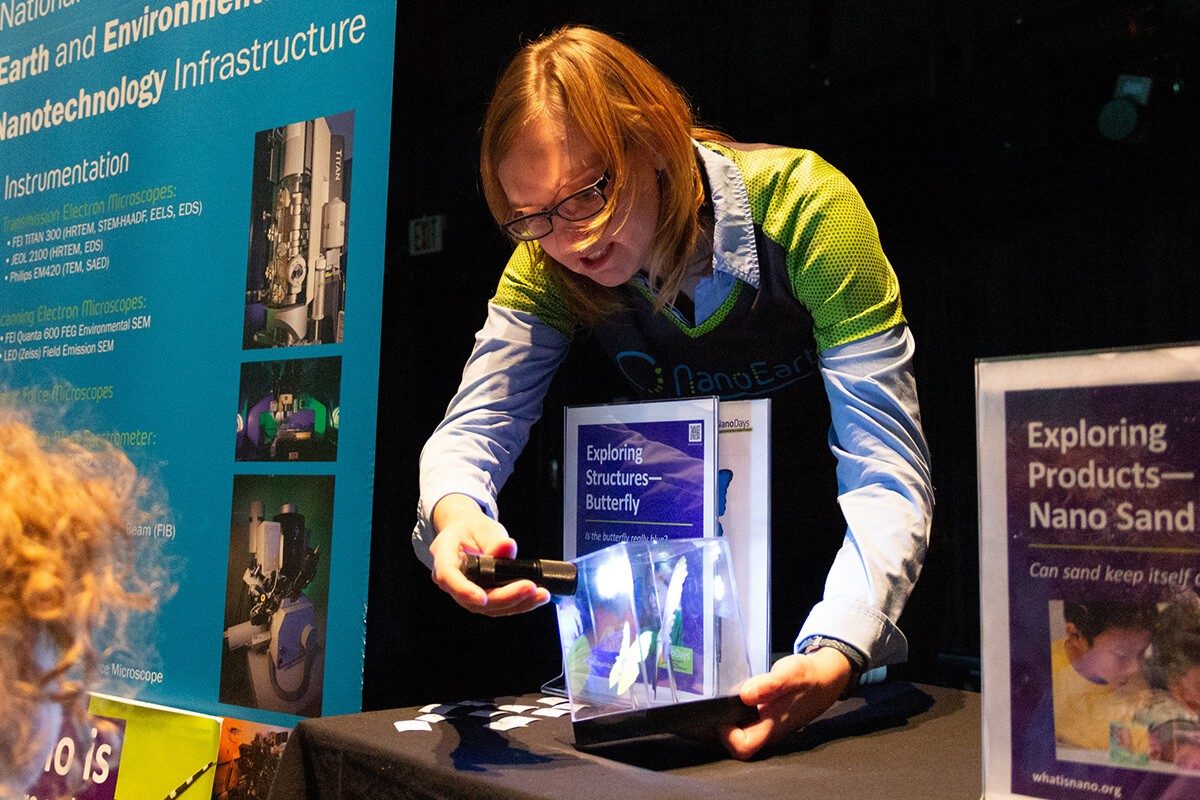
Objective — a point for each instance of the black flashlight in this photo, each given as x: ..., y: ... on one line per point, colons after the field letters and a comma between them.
x: 558, y: 577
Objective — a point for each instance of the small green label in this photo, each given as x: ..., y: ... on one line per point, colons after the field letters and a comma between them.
x: 681, y: 659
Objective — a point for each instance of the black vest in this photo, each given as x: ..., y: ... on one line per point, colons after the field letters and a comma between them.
x: 762, y: 347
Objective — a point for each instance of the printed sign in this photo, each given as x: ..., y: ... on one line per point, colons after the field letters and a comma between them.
x: 638, y: 471
x: 1089, y: 477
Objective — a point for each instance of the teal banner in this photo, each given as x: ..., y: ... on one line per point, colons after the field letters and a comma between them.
x: 193, y: 215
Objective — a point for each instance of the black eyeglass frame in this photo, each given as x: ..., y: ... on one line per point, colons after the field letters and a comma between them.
x: 549, y: 214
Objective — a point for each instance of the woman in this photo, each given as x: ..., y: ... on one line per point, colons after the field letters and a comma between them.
x: 700, y: 257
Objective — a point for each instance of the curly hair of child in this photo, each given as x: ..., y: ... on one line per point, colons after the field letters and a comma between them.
x: 68, y: 507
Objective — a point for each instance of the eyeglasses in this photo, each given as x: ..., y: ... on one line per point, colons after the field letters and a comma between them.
x: 576, y: 207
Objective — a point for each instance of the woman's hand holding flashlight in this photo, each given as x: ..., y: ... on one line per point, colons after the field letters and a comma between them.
x: 463, y: 529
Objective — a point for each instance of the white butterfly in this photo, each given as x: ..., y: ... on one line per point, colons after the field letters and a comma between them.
x: 627, y: 666
x: 672, y: 605
x: 674, y: 595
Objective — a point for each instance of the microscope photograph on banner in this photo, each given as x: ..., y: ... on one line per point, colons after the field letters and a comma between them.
x: 277, y: 593
x: 289, y: 410
x: 247, y: 758
x: 299, y: 229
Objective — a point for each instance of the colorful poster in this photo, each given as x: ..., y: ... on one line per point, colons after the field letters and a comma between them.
x: 192, y: 232
x: 247, y: 759
x: 165, y: 752
x: 1097, y: 527
x: 84, y: 763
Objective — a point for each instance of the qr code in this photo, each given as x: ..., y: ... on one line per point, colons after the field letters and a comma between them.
x: 695, y: 432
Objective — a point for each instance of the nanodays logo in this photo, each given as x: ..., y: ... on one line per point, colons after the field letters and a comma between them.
x: 757, y: 379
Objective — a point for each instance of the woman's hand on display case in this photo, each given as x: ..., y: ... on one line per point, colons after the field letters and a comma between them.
x: 797, y: 690
x: 463, y: 529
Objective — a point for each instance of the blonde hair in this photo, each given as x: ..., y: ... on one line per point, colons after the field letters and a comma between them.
x: 66, y: 571
x: 625, y: 107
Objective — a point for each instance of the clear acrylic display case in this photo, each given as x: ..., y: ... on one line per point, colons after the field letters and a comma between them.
x: 653, y: 641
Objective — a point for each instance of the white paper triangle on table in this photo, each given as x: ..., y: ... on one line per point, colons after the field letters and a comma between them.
x: 551, y: 712
x: 404, y: 725
x: 509, y: 722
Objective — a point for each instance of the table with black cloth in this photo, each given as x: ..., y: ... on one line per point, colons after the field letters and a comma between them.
x: 897, y: 740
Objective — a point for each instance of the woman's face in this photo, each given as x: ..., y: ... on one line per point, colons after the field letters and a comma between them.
x: 551, y: 160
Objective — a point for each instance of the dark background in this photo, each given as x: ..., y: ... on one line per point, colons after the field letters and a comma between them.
x: 971, y: 130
